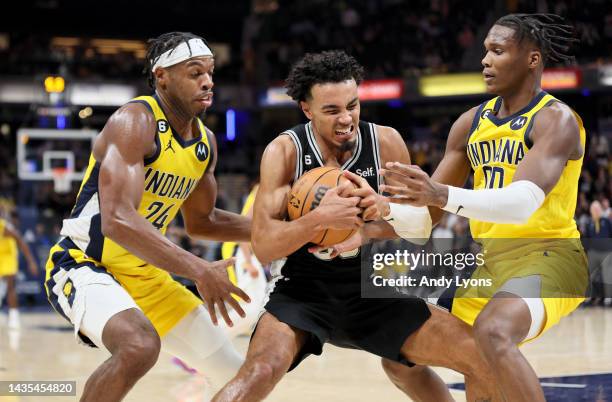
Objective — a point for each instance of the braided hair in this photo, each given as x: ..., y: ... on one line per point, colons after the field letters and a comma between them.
x: 160, y: 45
x: 548, y: 32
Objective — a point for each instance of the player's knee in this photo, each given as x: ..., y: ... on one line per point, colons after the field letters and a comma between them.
x: 262, y: 371
x: 396, y: 371
x: 492, y: 335
x: 139, y: 352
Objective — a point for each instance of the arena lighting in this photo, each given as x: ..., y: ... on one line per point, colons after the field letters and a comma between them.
x: 452, y: 84
x: 54, y: 84
x: 561, y: 78
x: 230, y: 124
x: 381, y: 89
x: 605, y: 74
x: 61, y: 122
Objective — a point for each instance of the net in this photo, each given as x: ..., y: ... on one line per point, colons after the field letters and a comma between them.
x: 62, y: 179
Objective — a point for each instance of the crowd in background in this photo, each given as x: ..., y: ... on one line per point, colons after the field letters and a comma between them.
x: 391, y: 38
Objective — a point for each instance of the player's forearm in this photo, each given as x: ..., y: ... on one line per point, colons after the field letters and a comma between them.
x: 277, y: 239
x: 134, y: 233
x: 246, y: 251
x: 221, y: 225
x: 25, y: 249
x: 378, y: 230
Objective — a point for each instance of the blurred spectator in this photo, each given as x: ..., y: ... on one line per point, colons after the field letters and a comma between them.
x: 599, y: 232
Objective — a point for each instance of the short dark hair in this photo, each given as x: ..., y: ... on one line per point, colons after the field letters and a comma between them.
x: 548, y: 32
x: 160, y: 45
x: 320, y: 68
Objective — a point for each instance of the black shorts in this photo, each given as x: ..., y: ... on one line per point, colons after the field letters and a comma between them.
x: 334, y: 312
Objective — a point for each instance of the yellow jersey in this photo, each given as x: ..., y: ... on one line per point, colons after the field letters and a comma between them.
x: 8, y: 245
x: 496, y: 146
x: 228, y: 249
x: 171, y: 174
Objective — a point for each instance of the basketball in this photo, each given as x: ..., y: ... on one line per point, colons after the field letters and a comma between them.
x: 306, y: 194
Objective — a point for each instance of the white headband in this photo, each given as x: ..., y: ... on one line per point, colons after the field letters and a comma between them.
x: 182, y: 52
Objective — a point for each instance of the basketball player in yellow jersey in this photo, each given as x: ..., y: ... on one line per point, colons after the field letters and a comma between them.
x: 110, y: 273
x: 525, y: 148
x: 247, y: 273
x: 10, y: 240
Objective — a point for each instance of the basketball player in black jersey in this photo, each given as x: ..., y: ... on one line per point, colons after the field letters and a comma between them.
x: 317, y: 299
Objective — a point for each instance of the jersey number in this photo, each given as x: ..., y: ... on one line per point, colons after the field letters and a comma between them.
x: 157, y: 218
x: 493, y: 174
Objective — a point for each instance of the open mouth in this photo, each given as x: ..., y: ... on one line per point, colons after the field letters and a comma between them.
x: 344, y: 133
x: 206, y: 98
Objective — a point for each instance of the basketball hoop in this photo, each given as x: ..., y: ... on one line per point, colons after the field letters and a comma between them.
x: 62, y: 178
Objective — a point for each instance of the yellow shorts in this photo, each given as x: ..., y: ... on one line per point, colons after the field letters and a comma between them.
x: 561, y: 265
x: 8, y: 264
x: 163, y: 300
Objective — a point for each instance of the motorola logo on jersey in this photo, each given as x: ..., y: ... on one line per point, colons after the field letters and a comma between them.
x: 518, y: 122
x: 162, y: 125
x: 485, y: 113
x: 201, y: 151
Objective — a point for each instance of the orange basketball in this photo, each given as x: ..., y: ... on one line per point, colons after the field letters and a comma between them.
x: 306, y: 194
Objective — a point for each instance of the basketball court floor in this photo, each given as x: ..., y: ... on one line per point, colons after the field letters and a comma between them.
x: 574, y: 361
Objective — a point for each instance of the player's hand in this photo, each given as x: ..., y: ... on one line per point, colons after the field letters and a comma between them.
x: 374, y: 205
x: 216, y: 289
x: 33, y: 268
x: 251, y: 269
x: 338, y: 210
x: 415, y: 186
x: 355, y: 241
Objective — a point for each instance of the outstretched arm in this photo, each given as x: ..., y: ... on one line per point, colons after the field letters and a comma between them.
x: 556, y: 139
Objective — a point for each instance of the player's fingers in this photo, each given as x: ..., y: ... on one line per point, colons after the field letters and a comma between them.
x: 211, y: 310
x: 404, y: 201
x: 222, y: 264
x: 240, y: 293
x: 358, y: 180
x: 400, y: 178
x: 224, y: 313
x: 396, y: 190
x: 370, y: 213
x: 367, y: 202
x: 403, y: 168
x: 236, y: 306
x: 344, y: 189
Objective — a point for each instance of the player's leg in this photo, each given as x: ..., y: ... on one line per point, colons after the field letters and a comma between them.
x: 203, y: 346
x: 134, y: 346
x: 272, y: 350
x: 11, y: 301
x: 503, y: 324
x: 446, y: 341
x: 105, y: 315
x: 420, y: 383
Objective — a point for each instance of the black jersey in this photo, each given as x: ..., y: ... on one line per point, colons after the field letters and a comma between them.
x: 365, y: 162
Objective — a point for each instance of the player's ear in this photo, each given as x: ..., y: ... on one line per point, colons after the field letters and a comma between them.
x: 535, y: 59
x: 161, y: 77
x: 306, y: 109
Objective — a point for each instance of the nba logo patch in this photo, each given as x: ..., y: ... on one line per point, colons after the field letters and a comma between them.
x: 201, y: 151
x: 518, y: 122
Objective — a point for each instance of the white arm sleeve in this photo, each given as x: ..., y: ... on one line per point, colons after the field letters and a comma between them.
x: 410, y: 223
x: 514, y: 203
